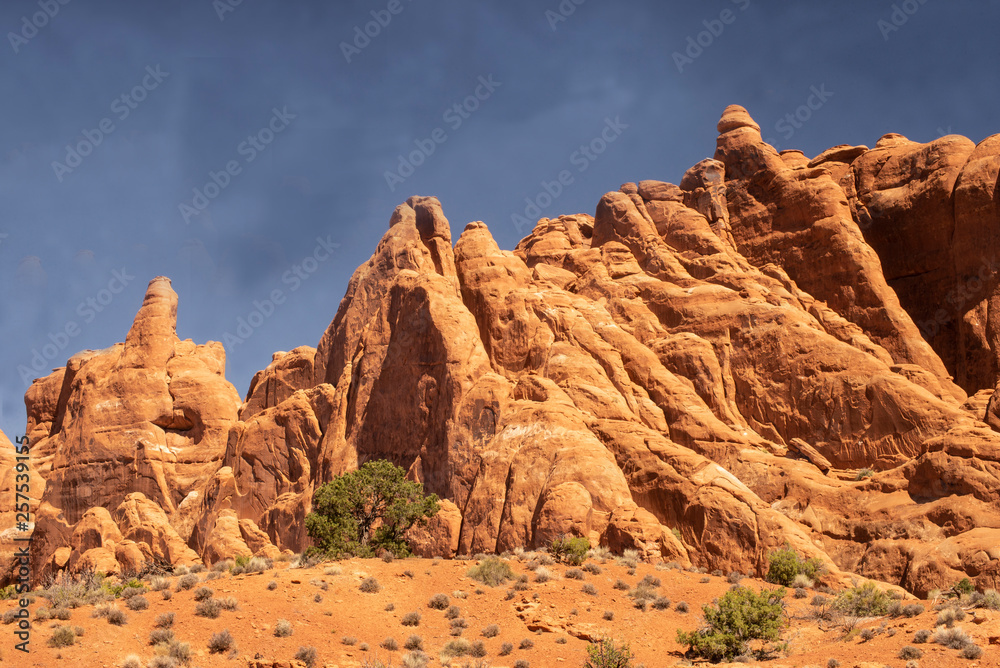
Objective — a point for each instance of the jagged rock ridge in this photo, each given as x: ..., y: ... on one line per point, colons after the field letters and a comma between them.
x: 718, y: 357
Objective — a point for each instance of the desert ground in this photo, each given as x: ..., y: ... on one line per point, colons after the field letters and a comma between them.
x: 547, y: 623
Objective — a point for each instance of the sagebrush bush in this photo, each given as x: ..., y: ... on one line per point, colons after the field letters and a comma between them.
x: 505, y: 649
x: 63, y: 636
x: 180, y: 651
x: 456, y: 648
x: 491, y: 571
x: 543, y: 574
x: 608, y: 615
x: 452, y: 612
x: 349, y: 640
x: 910, y: 652
x: 570, y: 550
x: 157, y: 636
x: 491, y: 631
x: 588, y: 588
x: 209, y: 608
x: 307, y: 655
x: 221, y: 642
x: 785, y: 564
x: 526, y: 643
x: 229, y: 603
x: 866, y: 600
x: 132, y: 661
x: 414, y: 642
x: 954, y: 638
x: 740, y: 616
x: 283, y: 628
x: 370, y: 586
x: 117, y: 617
x: 164, y: 620
x: 187, y: 582
x: 202, y: 593
x: 390, y: 644
x: 606, y: 653
x: 411, y: 619
x: 921, y: 636
x: 415, y: 659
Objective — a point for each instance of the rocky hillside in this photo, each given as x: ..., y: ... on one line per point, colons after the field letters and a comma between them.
x: 729, y: 358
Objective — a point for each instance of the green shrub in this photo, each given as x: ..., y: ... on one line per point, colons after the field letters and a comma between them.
x: 741, y: 616
x: 864, y: 601
x: 491, y: 571
x: 606, y: 654
x: 347, y: 510
x: 786, y: 564
x: 864, y: 473
x: 570, y: 550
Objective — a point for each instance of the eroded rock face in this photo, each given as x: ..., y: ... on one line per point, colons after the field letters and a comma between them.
x: 149, y: 417
x: 697, y: 372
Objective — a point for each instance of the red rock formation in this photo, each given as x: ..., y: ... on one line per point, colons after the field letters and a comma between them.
x: 697, y: 372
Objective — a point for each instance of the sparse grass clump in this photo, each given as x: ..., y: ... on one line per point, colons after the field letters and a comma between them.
x: 608, y: 615
x: 592, y: 568
x: 411, y: 619
x: 452, y: 612
x: 491, y: 571
x: 272, y: 585
x: 954, y: 638
x: 283, y: 628
x: 681, y: 607
x: 221, y: 642
x: 661, y: 603
x: 921, y: 636
x: 349, y: 640
x: 390, y: 644
x: 621, y: 585
x: 910, y: 652
x: 505, y: 649
x: 526, y: 643
x: 491, y: 631
x: 414, y: 642
x: 187, y: 582
x: 229, y: 603
x: 203, y: 593
x: 164, y: 620
x: 117, y: 617
x: 543, y: 574
x: 574, y: 574
x: 370, y: 586
x: 588, y: 588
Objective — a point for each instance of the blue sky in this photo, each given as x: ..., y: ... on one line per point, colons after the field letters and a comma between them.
x: 155, y: 98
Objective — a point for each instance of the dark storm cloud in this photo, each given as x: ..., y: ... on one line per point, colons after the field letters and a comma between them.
x: 322, y: 178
